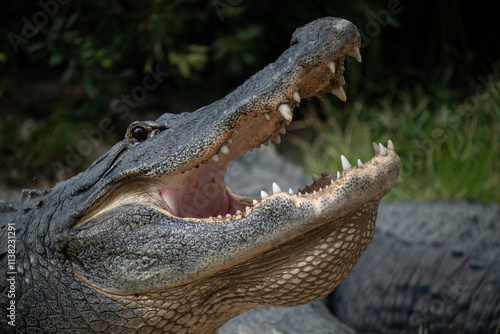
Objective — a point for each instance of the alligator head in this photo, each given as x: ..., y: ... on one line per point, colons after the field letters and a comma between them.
x: 152, y: 226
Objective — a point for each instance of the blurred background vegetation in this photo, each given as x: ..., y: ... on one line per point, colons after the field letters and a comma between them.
x: 428, y: 81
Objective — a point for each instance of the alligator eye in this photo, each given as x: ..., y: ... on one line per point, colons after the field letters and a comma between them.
x: 140, y: 133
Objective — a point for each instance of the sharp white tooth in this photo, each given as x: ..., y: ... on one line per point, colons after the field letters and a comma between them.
x: 290, y: 191
x: 340, y: 93
x: 255, y: 202
x: 219, y: 216
x: 224, y: 149
x: 247, y: 208
x: 286, y: 112
x: 331, y: 67
x: 267, y: 116
x: 315, y: 177
x: 376, y: 149
x: 283, y: 130
x: 345, y: 163
x: 314, y: 192
x: 238, y: 212
x: 276, y: 188
x: 342, y: 80
x: 383, y: 150
x: 230, y: 141
x: 228, y: 216
x: 360, y: 163
x: 263, y: 194
x: 390, y: 145
x: 332, y: 182
x: 338, y: 175
x: 354, y: 52
x: 215, y: 157
x: 296, y: 97
x: 277, y: 139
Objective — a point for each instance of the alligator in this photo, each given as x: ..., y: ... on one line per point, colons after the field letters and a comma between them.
x: 149, y: 239
x: 431, y: 267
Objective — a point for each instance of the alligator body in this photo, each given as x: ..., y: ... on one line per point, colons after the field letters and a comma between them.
x: 431, y: 267
x: 149, y: 239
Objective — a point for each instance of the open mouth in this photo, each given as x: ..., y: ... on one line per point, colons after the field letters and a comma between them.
x: 163, y: 190
x: 199, y: 191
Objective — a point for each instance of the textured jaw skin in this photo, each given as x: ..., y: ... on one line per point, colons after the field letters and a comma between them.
x: 149, y: 239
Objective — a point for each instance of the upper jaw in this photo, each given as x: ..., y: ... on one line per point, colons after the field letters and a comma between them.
x: 256, y: 124
x: 254, y: 114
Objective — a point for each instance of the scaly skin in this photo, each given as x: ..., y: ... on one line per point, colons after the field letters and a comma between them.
x: 149, y: 239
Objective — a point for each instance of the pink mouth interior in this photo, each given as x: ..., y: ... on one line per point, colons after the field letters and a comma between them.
x: 200, y: 194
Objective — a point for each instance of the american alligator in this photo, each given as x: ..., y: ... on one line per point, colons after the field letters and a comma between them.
x: 431, y: 267
x: 149, y: 239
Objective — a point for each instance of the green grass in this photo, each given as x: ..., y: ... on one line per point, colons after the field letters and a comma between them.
x: 449, y: 150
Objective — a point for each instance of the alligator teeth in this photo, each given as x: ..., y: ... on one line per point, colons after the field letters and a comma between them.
x: 277, y: 139
x: 267, y: 116
x: 276, y: 188
x: 345, y: 163
x: 286, y: 112
x: 390, y: 145
x: 215, y: 157
x: 383, y: 150
x: 338, y: 176
x: 360, y: 163
x: 342, y: 80
x: 228, y: 215
x: 255, y: 202
x: 354, y: 52
x: 331, y: 67
x: 283, y: 130
x: 263, y: 194
x: 238, y: 212
x: 315, y: 178
x: 340, y: 93
x: 296, y: 97
x: 290, y: 191
x: 224, y: 149
x: 376, y: 149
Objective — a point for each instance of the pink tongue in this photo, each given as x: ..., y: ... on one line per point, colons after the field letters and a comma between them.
x: 210, y: 199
